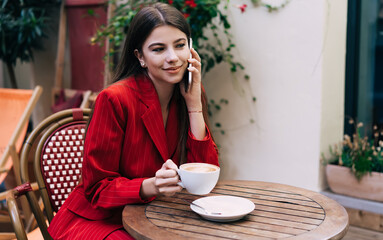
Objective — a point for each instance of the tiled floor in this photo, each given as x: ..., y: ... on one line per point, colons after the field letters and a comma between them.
x: 355, y: 233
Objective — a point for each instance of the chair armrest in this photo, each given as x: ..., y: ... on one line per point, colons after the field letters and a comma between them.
x: 11, y: 195
x: 14, y: 214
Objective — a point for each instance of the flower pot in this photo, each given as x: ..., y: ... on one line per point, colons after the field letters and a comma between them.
x: 342, y: 181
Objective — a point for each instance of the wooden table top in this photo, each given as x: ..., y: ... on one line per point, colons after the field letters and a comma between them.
x: 281, y: 211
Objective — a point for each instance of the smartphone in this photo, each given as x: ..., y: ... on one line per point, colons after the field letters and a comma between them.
x: 187, y: 79
x: 190, y: 74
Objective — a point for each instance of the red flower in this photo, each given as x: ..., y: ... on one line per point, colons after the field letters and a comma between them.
x: 242, y: 7
x: 170, y: 2
x: 191, y: 3
x: 186, y: 15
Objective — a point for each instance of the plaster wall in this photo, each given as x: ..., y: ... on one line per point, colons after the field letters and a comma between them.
x: 295, y: 58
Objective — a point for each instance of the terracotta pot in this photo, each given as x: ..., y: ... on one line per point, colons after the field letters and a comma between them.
x: 341, y: 180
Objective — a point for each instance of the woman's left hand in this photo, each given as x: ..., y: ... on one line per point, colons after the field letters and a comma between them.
x: 193, y: 95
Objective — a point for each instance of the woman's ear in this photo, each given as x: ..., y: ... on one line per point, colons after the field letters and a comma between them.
x: 140, y: 58
x: 138, y: 54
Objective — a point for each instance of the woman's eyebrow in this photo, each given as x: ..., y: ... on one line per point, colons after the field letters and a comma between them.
x: 155, y: 44
x: 180, y: 39
x: 162, y: 44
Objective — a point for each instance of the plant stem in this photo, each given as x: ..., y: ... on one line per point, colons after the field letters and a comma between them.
x: 12, y: 76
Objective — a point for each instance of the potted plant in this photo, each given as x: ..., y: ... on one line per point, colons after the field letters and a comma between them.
x: 355, y: 167
x: 22, y: 25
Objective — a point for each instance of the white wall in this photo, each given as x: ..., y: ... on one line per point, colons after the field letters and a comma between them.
x: 333, y: 84
x: 284, y: 53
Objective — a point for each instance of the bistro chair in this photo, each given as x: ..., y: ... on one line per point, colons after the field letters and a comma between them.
x: 57, y: 165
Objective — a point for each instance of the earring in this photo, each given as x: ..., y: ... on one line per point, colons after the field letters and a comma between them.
x: 143, y: 64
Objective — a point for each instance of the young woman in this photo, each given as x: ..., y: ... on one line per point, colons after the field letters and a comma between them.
x: 143, y: 127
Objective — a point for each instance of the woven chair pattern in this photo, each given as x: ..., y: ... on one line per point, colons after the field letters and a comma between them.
x: 61, y: 161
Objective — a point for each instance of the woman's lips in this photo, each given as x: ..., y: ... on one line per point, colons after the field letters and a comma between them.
x: 173, y: 69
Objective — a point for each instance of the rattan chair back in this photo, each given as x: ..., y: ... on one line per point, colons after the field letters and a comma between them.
x: 57, y: 160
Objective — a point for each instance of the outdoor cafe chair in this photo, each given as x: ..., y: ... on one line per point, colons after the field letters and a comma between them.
x: 57, y: 166
x: 16, y: 107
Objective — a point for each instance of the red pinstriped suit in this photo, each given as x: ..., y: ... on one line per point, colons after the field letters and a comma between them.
x: 126, y: 142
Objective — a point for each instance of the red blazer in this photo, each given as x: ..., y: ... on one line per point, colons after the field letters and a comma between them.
x: 126, y: 142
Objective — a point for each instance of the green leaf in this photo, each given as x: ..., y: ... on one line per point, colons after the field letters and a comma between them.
x: 91, y: 12
x: 38, y: 31
x: 4, y: 3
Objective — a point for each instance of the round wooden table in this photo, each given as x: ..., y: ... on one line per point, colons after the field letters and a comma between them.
x: 281, y: 211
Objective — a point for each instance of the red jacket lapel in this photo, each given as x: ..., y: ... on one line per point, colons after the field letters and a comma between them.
x: 172, y: 129
x: 152, y: 117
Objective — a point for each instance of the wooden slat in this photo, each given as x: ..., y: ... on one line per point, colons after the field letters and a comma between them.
x: 298, y: 219
x: 278, y: 222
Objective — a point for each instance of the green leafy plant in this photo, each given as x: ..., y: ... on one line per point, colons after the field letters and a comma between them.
x: 360, y: 153
x: 22, y: 25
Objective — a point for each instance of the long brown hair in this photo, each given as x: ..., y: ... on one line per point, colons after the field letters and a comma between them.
x: 145, y: 21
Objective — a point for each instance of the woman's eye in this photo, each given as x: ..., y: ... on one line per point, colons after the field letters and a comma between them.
x: 181, y: 45
x: 157, y: 49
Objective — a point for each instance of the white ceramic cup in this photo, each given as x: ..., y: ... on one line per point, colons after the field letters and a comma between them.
x: 198, y: 178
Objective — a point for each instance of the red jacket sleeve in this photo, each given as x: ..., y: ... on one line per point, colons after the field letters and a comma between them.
x: 204, y: 150
x: 103, y: 184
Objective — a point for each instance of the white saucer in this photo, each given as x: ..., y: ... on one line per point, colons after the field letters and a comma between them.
x: 231, y: 208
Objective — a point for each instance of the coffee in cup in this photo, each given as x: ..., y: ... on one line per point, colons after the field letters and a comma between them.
x: 198, y: 178
x: 199, y: 168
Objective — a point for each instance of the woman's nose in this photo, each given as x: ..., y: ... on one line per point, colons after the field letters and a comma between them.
x: 171, y: 55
